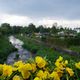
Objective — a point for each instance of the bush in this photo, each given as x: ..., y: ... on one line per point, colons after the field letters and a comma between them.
x: 5, y: 48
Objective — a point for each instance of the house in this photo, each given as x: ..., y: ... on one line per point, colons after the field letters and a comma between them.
x: 77, y: 29
x: 38, y: 35
x: 63, y: 34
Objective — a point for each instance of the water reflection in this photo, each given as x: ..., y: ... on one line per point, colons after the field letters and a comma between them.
x: 21, y: 54
x: 16, y: 42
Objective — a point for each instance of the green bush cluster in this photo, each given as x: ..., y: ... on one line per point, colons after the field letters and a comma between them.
x: 5, y: 48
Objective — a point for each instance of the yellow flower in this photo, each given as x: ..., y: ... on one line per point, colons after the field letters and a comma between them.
x: 37, y: 78
x: 66, y: 62
x: 40, y: 74
x: 16, y: 77
x: 25, y: 73
x: 40, y: 62
x: 77, y: 65
x: 43, y: 75
x: 28, y: 66
x: 55, y: 75
x: 70, y: 71
x: 14, y: 68
x: 33, y: 67
x: 59, y: 65
x: 59, y: 71
x: 60, y: 58
x: 7, y: 70
x: 17, y: 64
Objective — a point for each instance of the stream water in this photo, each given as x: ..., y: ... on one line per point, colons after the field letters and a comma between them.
x: 21, y: 54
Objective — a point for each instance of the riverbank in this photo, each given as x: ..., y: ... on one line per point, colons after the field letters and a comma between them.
x: 41, y: 49
x: 75, y: 48
x: 34, y: 46
x: 5, y: 48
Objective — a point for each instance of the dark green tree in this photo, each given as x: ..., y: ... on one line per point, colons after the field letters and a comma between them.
x: 31, y: 28
x: 5, y: 29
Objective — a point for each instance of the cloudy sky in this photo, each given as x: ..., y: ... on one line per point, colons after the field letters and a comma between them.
x: 46, y: 12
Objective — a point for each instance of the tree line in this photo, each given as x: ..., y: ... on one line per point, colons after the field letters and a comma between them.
x: 7, y: 29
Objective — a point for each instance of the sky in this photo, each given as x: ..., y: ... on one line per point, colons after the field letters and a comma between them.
x: 40, y: 12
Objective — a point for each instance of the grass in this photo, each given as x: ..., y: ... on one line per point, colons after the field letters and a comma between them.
x: 75, y: 48
x: 42, y: 50
x: 5, y: 48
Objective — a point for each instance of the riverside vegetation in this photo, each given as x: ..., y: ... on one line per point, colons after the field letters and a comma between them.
x: 51, y: 64
x: 5, y: 48
x: 41, y: 69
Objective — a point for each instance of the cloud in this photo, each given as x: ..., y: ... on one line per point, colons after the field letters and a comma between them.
x: 65, y: 23
x: 14, y: 19
x: 48, y: 22
x: 67, y: 9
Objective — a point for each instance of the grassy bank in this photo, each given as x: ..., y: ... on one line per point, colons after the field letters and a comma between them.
x: 42, y: 50
x: 75, y: 48
x: 5, y: 48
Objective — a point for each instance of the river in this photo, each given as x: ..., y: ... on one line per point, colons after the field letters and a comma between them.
x: 20, y: 54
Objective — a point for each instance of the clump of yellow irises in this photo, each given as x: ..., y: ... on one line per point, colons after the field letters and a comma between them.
x: 38, y: 69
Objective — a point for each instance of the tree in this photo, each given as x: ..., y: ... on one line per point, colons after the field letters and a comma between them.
x: 40, y: 29
x: 54, y: 29
x: 31, y: 28
x: 5, y: 28
x: 16, y: 29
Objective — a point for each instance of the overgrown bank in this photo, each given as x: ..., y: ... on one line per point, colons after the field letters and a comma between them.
x: 5, y: 48
x: 42, y: 50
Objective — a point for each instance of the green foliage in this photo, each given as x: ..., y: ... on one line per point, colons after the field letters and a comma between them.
x: 75, y: 48
x: 42, y: 50
x: 29, y: 43
x: 5, y: 48
x: 5, y: 29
